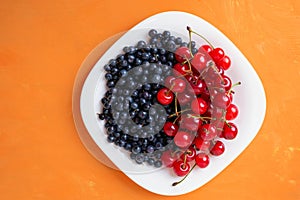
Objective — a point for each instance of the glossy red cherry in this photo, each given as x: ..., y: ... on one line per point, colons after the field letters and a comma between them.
x: 224, y: 63
x: 231, y: 112
x: 202, y: 160
x: 184, y: 98
x: 230, y: 131
x: 168, y: 159
x: 205, y: 48
x: 220, y: 70
x: 199, y: 62
x: 180, y: 69
x: 178, y: 85
x: 218, y: 148
x: 226, y: 82
x: 180, y: 168
x: 182, y: 53
x: 217, y: 54
x: 189, y: 154
x: 201, y: 145
x: 183, y: 139
x: 199, y: 106
x: 164, y: 96
x: 190, y: 123
x: 190, y: 78
x: 222, y: 100
x: 170, y: 129
x: 208, y: 132
x: 198, y: 87
x: 169, y: 80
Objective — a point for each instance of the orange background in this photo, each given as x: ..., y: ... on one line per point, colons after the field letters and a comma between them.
x: 42, y: 45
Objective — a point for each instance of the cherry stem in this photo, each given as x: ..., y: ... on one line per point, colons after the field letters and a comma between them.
x: 230, y: 90
x: 176, y: 113
x: 191, y: 31
x: 184, y: 161
x: 202, y: 118
x: 190, y: 66
x: 190, y: 44
x: 172, y: 86
x: 226, y: 122
x: 183, y: 75
x: 212, y: 65
x: 176, y: 183
x: 176, y: 119
x: 176, y: 110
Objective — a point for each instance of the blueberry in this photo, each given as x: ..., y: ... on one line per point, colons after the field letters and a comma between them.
x: 128, y: 146
x: 152, y: 33
x: 110, y: 84
x: 153, y: 41
x: 184, y: 44
x: 178, y: 41
x: 111, y: 138
x: 136, y: 149
x: 147, y: 87
x: 151, y: 161
x: 150, y: 149
x: 107, y: 68
x: 141, y: 44
x: 101, y: 116
x: 166, y: 34
x: 157, y: 164
x: 134, y: 105
x: 139, y: 158
x: 132, y: 156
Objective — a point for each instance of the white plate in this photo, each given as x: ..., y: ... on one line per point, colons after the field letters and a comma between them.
x: 250, y: 97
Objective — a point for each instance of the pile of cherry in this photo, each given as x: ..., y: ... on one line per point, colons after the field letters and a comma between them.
x: 199, y: 99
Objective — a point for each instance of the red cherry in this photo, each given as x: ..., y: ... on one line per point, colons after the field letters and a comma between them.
x: 202, y: 160
x: 178, y: 85
x: 220, y: 70
x: 230, y: 131
x: 212, y: 75
x: 226, y: 82
x: 198, y: 87
x: 201, y: 145
x: 190, y: 78
x: 199, y: 106
x: 189, y: 154
x: 169, y: 80
x: 180, y: 69
x: 190, y: 123
x: 182, y: 53
x: 217, y: 54
x: 199, y: 62
x: 184, y: 98
x: 231, y: 112
x: 208, y: 132
x: 230, y: 95
x: 170, y: 129
x: 206, y: 48
x: 218, y: 148
x: 168, y: 159
x: 222, y: 100
x: 180, y: 168
x: 224, y: 63
x: 183, y: 139
x: 164, y: 96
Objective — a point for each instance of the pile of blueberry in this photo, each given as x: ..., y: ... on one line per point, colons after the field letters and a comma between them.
x: 133, y: 80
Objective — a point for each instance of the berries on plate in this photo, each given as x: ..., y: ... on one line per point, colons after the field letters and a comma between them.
x: 170, y: 103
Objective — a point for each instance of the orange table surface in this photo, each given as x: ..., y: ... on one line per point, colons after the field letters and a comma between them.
x: 42, y: 46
